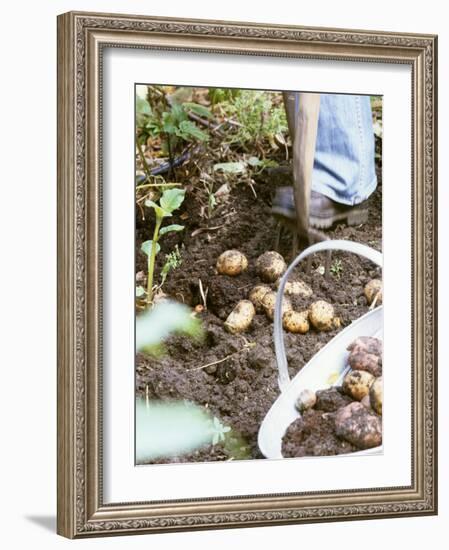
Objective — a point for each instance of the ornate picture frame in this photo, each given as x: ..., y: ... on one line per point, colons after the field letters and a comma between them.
x: 82, y: 37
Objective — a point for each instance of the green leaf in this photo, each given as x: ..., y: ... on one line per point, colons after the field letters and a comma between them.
x: 160, y: 212
x: 172, y: 199
x: 170, y: 228
x: 142, y: 106
x: 254, y: 161
x: 140, y: 291
x: 198, y: 109
x: 231, y: 167
x: 155, y: 326
x: 147, y: 246
x: 187, y: 129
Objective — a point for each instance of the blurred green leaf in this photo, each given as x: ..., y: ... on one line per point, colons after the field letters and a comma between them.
x: 170, y: 228
x: 140, y: 291
x: 198, y: 109
x: 172, y: 199
x: 156, y: 325
x: 188, y: 129
x: 230, y: 167
x: 147, y: 246
x: 160, y: 212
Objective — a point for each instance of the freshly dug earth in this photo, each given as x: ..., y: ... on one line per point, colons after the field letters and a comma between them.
x: 241, y: 387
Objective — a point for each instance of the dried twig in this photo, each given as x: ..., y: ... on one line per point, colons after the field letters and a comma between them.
x: 248, y: 345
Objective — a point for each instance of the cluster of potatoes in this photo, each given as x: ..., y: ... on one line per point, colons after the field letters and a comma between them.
x: 356, y: 422
x: 270, y: 267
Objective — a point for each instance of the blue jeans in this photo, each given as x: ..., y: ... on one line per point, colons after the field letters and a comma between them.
x: 344, y: 156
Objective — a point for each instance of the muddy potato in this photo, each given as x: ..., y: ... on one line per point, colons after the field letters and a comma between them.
x: 257, y: 294
x: 321, y: 315
x: 361, y: 360
x: 296, y: 288
x: 270, y: 266
x: 376, y: 395
x: 306, y: 400
x: 367, y: 344
x: 373, y: 291
x: 231, y: 262
x: 366, y: 402
x: 357, y: 425
x: 296, y: 321
x: 240, y: 317
x: 357, y: 384
x: 269, y: 302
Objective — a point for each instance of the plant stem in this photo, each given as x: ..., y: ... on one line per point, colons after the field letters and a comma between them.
x: 151, y: 260
x: 143, y: 159
x: 145, y: 185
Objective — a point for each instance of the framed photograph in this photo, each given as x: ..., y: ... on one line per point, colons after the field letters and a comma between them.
x: 247, y: 270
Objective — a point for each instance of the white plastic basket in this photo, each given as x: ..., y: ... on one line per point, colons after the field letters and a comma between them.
x: 326, y: 368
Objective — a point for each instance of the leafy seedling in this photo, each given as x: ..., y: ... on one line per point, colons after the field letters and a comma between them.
x: 170, y: 201
x: 337, y: 268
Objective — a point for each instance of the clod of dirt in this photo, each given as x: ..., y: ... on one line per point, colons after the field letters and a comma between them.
x: 360, y: 360
x: 306, y: 400
x: 270, y: 266
x: 226, y: 373
x: 373, y: 291
x: 261, y: 357
x: 321, y: 315
x: 257, y: 294
x: 296, y: 321
x: 376, y: 395
x: 269, y: 302
x: 331, y: 400
x: 357, y: 384
x: 241, y: 317
x: 296, y: 288
x: 232, y: 263
x: 313, y: 434
x: 355, y: 424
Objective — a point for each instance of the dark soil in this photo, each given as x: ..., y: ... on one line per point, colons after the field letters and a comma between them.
x: 241, y: 389
x: 313, y: 434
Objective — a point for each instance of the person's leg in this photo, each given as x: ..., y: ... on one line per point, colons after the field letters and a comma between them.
x: 344, y: 173
x: 344, y: 157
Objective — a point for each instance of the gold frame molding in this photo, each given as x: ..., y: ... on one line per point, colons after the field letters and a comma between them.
x: 81, y: 38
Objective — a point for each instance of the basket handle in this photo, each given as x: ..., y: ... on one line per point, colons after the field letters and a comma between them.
x: 279, y: 347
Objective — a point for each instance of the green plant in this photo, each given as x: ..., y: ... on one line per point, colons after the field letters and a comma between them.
x: 258, y: 117
x: 336, y: 268
x: 218, y: 431
x: 155, y: 116
x: 170, y: 201
x: 172, y: 261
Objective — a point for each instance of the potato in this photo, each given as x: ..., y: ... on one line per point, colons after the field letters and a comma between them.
x: 306, y: 400
x: 269, y: 302
x: 368, y: 344
x: 373, y: 291
x: 296, y: 288
x: 256, y: 295
x: 357, y: 384
x: 357, y: 425
x: 376, y: 395
x: 360, y: 360
x: 240, y: 317
x: 296, y: 321
x: 270, y: 266
x: 321, y: 315
x: 366, y: 402
x: 231, y: 262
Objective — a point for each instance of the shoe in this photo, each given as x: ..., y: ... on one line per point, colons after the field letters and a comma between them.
x: 324, y: 212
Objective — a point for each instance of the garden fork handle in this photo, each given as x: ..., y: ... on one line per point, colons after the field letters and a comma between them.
x: 304, y: 143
